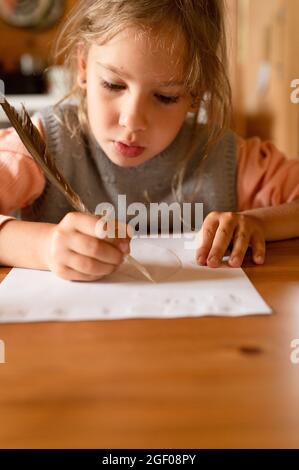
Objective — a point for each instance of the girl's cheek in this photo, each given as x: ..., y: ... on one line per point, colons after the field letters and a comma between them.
x: 110, y: 114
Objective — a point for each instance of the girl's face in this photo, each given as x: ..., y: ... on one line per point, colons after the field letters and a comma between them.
x: 136, y: 101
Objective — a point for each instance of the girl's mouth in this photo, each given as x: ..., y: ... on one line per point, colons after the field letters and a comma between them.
x: 131, y: 151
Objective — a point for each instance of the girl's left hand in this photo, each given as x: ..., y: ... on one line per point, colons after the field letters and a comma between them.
x: 220, y: 229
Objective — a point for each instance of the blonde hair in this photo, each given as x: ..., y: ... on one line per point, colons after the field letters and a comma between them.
x: 202, y: 25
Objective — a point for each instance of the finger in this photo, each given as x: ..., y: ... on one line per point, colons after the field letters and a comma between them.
x: 240, y: 246
x: 113, y: 229
x: 93, y: 226
x: 124, y: 246
x: 95, y: 248
x: 258, y: 248
x: 221, y: 242
x: 85, y: 265
x: 83, y: 223
x: 115, y: 232
x: 207, y: 234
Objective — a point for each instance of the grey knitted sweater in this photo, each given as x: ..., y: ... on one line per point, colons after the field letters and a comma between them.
x: 97, y: 179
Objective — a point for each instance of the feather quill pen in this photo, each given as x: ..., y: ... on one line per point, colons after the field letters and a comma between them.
x: 36, y: 146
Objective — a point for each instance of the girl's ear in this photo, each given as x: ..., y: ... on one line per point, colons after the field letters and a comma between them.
x: 82, y: 65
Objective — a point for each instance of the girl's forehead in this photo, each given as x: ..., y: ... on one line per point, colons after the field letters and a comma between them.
x: 151, y: 40
x: 161, y: 48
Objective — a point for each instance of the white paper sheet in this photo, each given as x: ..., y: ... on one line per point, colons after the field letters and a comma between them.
x: 182, y: 289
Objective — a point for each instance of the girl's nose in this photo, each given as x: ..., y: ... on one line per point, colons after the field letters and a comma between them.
x: 132, y: 116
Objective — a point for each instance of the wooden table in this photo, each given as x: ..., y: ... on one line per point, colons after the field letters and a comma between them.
x: 198, y: 382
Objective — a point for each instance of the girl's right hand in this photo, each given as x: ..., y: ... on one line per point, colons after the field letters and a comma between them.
x: 75, y: 253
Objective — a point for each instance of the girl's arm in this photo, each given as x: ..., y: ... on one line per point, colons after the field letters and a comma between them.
x: 278, y: 223
x: 71, y: 249
x: 21, y: 180
x: 268, y: 207
x: 243, y: 229
x: 268, y: 187
x: 24, y: 244
x: 265, y: 177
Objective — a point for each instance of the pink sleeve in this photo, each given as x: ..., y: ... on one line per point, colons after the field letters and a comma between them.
x: 21, y: 180
x: 265, y: 177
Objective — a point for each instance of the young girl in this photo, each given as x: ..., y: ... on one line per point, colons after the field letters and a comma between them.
x: 141, y: 73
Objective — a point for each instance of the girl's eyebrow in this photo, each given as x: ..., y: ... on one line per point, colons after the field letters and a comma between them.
x: 123, y: 74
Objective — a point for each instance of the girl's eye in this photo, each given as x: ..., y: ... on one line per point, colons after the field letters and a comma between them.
x: 162, y: 98
x: 112, y: 86
x: 168, y: 99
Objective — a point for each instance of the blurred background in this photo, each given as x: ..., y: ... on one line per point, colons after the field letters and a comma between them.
x: 263, y: 39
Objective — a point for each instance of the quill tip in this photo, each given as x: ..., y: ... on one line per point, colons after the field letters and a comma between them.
x: 142, y: 269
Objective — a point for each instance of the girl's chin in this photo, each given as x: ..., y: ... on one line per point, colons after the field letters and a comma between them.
x: 126, y: 162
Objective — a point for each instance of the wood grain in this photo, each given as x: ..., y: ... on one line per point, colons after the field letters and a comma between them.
x: 192, y: 382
